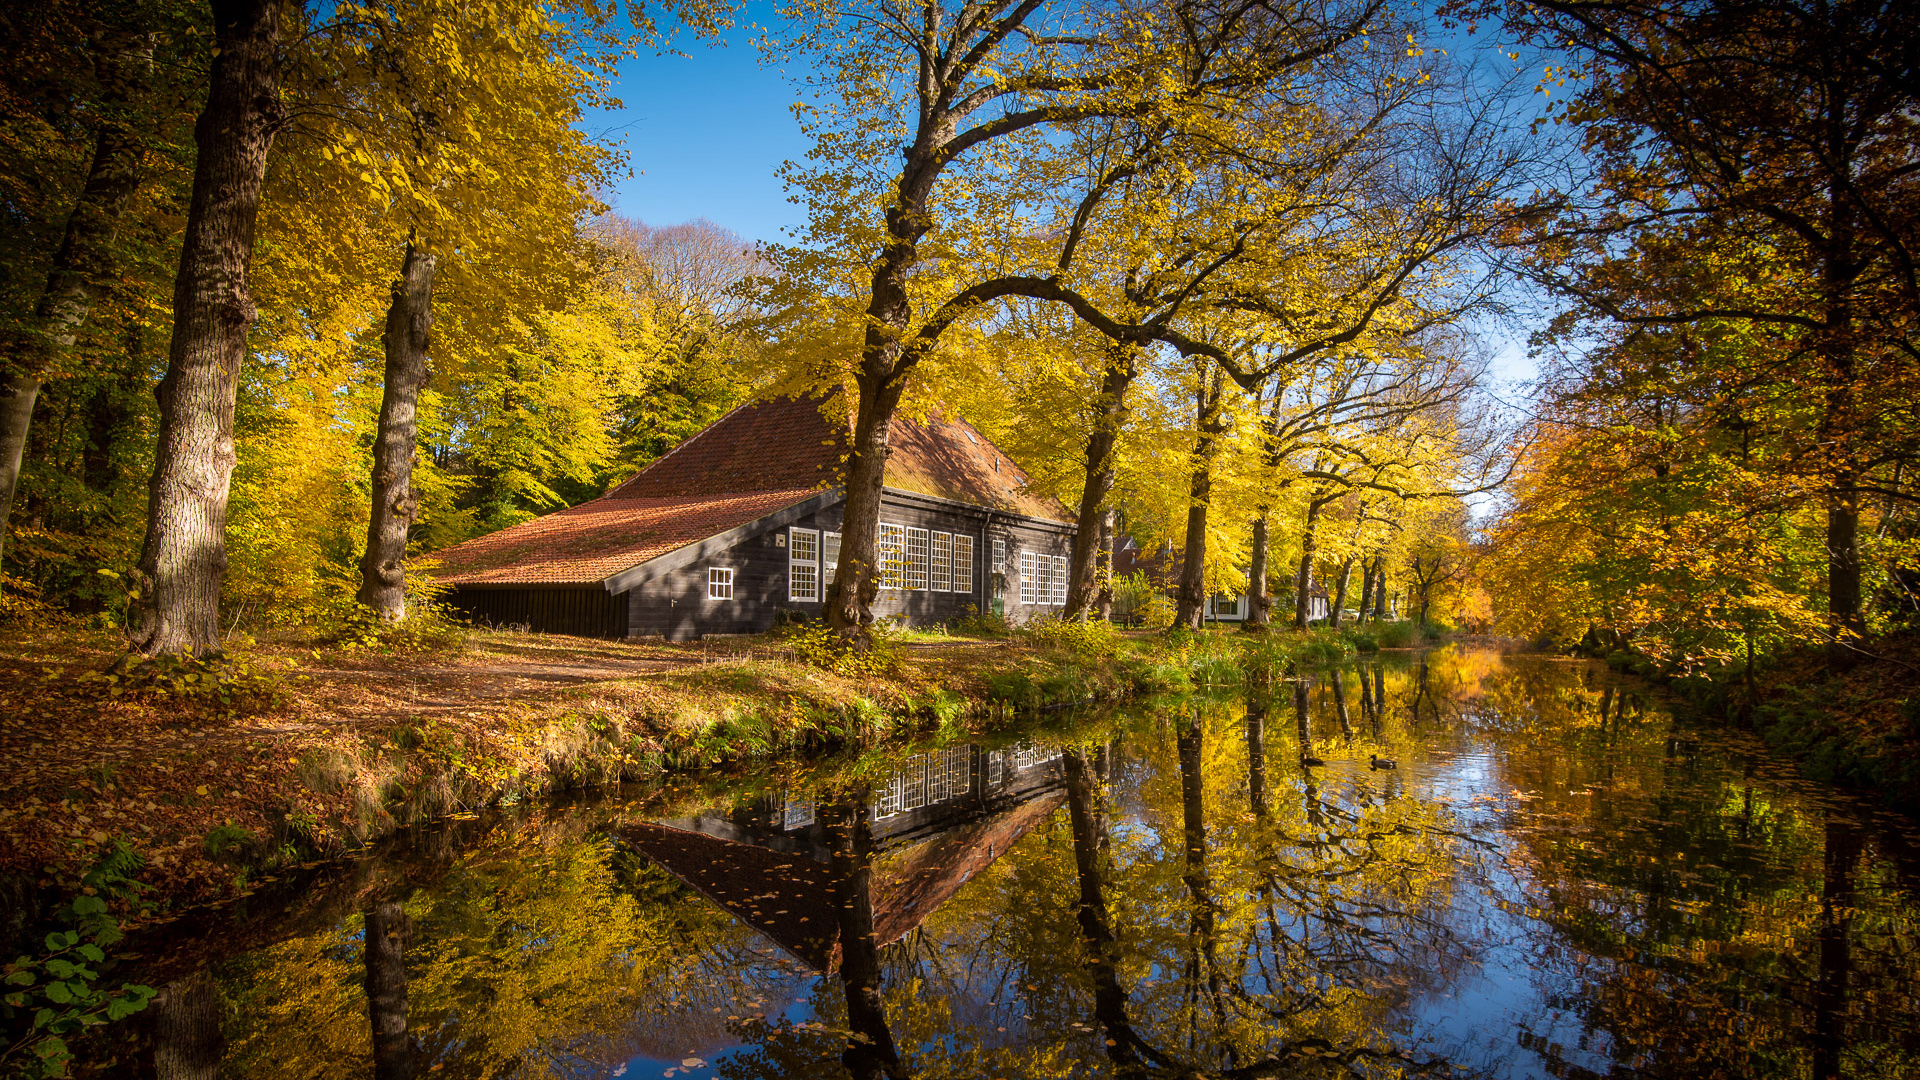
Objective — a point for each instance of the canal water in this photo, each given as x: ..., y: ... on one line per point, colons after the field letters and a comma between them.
x: 1555, y: 879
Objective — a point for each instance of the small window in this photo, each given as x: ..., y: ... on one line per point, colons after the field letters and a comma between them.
x: 803, y: 564
x: 916, y: 568
x: 829, y: 556
x: 999, y: 556
x: 1059, y: 579
x: 962, y: 563
x: 940, y: 572
x: 889, y: 550
x: 719, y: 583
x: 1028, y: 580
x: 1226, y: 607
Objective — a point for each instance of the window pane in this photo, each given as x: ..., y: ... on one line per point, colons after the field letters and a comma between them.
x: 889, y: 553
x: 830, y: 555
x: 1060, y: 579
x: 1026, y: 577
x: 999, y: 556
x: 940, y: 573
x: 962, y: 564
x: 719, y: 583
x: 803, y: 564
x: 916, y: 567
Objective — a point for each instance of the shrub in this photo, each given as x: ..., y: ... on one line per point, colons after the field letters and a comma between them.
x: 1321, y: 649
x: 982, y: 623
x: 230, y: 682
x: 818, y: 644
x: 430, y: 624
x: 1092, y: 637
x: 1399, y: 635
x: 54, y: 993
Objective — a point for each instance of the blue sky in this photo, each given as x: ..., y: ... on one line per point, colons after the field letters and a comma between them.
x: 705, y: 134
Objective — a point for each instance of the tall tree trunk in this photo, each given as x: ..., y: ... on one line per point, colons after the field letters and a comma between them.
x: 188, y: 1042
x: 1191, y: 605
x: 1366, y: 588
x: 1380, y: 593
x: 857, y: 580
x: 1303, y: 580
x: 1301, y: 721
x: 387, y: 933
x: 1830, y: 989
x: 1110, y: 415
x: 185, y: 558
x: 383, y: 569
x: 1340, y: 593
x: 1103, y: 599
x: 1259, y: 589
x: 1258, y: 702
x: 1192, y: 601
x: 1840, y: 425
x: 123, y: 63
x: 1087, y: 820
x: 1339, y: 691
x: 870, y: 1051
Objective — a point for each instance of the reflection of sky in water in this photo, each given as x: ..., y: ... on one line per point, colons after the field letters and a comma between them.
x: 1491, y: 984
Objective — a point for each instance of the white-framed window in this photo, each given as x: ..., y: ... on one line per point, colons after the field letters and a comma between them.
x: 940, y: 572
x: 1043, y: 579
x: 889, y: 548
x: 829, y: 556
x: 796, y: 814
x: 1060, y: 579
x: 999, y: 556
x: 962, y: 563
x: 1226, y: 607
x: 1028, y: 580
x: 916, y: 568
x: 803, y: 564
x: 719, y: 582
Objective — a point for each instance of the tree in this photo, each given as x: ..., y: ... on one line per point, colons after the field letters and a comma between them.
x: 470, y: 142
x: 908, y: 162
x: 1755, y: 179
x: 84, y: 262
x: 184, y: 555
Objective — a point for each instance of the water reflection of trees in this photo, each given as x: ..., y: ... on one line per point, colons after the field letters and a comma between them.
x: 532, y: 958
x: 1206, y: 904
x: 1707, y: 913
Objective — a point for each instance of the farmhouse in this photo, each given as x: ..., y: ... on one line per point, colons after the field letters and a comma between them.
x: 741, y: 522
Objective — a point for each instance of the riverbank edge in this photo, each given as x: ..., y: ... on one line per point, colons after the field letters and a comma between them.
x: 324, y: 794
x: 1857, y: 729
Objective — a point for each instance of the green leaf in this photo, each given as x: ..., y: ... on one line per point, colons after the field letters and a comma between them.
x: 60, y: 969
x: 58, y: 993
x: 93, y: 953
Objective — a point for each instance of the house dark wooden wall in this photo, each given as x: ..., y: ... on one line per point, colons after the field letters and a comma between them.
x: 676, y: 606
x: 583, y: 611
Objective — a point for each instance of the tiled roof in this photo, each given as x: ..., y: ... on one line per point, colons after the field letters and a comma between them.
x: 751, y: 462
x: 791, y: 442
x: 597, y: 540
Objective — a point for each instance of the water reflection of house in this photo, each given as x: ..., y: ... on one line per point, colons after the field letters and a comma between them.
x: 941, y: 818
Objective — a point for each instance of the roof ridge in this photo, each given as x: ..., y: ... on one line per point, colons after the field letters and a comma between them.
x: 679, y: 446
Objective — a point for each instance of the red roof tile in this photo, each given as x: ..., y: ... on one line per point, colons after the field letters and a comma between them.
x: 597, y: 540
x: 751, y: 462
x: 791, y: 442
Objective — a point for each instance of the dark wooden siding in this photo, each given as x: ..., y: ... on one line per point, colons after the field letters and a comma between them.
x: 586, y: 612
x: 676, y: 605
